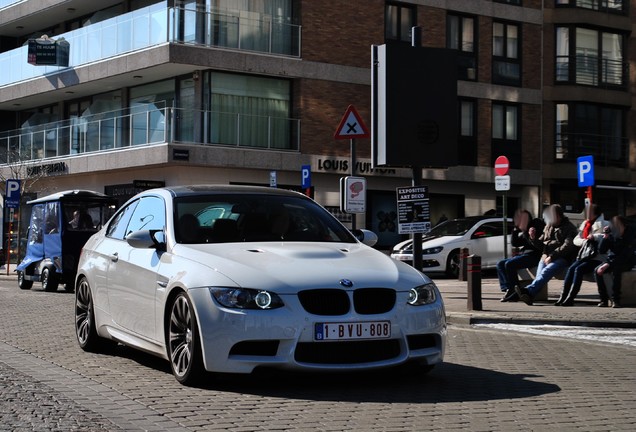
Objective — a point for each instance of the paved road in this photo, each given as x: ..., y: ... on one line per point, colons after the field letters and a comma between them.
x: 492, y: 380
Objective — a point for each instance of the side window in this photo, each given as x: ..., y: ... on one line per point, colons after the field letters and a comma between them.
x: 35, y: 226
x: 117, y: 227
x: 489, y: 230
x: 150, y: 214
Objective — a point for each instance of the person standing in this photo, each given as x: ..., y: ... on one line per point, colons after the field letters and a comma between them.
x: 588, y: 239
x: 526, y: 230
x: 619, y: 243
x: 559, y: 251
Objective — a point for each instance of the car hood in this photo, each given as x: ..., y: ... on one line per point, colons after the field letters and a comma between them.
x: 290, y: 267
x: 428, y: 243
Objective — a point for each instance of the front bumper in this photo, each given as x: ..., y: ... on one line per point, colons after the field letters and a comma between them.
x: 237, y: 341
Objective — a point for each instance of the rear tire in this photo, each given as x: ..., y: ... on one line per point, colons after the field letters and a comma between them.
x: 23, y: 283
x: 49, y: 280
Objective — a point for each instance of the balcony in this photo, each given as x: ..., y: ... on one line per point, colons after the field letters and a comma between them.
x: 608, y: 151
x: 146, y: 126
x: 591, y: 71
x: 615, y: 6
x: 155, y: 25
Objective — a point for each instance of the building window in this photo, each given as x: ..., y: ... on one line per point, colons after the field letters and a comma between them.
x: 589, y: 57
x: 249, y: 111
x: 399, y: 18
x: 467, y: 154
x: 590, y: 129
x: 505, y: 133
x: 615, y: 6
x: 512, y: 2
x: 506, y: 54
x: 461, y: 36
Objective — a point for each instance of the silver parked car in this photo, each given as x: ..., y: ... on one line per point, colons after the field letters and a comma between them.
x: 229, y: 278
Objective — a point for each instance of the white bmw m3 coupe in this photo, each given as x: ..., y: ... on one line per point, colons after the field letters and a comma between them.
x: 230, y: 278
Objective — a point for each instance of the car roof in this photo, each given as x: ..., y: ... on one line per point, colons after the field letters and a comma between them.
x: 74, y: 195
x: 202, y: 189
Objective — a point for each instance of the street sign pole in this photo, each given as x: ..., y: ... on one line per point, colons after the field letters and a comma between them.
x: 505, y: 223
x: 502, y: 182
x: 352, y: 149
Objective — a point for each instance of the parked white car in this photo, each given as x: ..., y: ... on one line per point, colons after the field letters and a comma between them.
x: 230, y: 278
x: 441, y: 246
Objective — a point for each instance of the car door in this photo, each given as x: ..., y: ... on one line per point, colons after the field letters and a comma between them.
x: 487, y: 242
x: 132, y: 276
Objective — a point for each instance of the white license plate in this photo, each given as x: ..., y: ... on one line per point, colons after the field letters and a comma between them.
x: 352, y: 330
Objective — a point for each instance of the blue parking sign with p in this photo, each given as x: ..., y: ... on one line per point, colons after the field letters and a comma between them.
x: 12, y: 195
x: 305, y: 174
x: 585, y: 171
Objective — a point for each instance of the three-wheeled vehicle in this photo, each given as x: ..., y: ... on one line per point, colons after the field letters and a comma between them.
x: 59, y: 227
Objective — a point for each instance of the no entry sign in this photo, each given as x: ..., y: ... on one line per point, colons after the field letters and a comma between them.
x: 502, y: 166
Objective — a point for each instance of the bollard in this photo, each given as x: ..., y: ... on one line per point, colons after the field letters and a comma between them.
x: 463, y: 255
x: 474, y: 282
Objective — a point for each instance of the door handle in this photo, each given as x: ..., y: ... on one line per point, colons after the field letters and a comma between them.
x: 114, y: 257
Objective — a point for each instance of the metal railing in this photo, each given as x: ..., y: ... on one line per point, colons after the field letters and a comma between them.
x: 235, y: 29
x: 619, y: 6
x: 609, y: 151
x: 134, y: 127
x: 591, y: 70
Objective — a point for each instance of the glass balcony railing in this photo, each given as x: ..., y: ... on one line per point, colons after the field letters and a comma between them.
x: 608, y: 151
x: 126, y: 33
x: 146, y: 126
x: 156, y: 25
x: 6, y: 3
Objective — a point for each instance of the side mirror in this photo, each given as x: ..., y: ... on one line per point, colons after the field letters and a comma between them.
x: 147, y: 239
x: 367, y: 237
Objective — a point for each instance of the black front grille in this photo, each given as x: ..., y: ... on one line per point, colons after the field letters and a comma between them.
x: 325, y: 301
x: 368, y: 301
x: 347, y: 352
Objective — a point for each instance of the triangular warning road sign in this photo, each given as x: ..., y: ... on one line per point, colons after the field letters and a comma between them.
x: 351, y: 126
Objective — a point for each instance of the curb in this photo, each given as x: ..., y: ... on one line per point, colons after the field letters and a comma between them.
x: 468, y: 320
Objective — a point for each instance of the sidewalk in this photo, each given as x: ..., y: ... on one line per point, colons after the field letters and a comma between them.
x: 584, y: 312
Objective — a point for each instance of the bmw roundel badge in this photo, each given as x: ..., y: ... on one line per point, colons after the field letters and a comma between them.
x: 346, y: 283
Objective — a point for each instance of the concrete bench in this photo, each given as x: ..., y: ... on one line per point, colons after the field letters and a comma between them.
x: 628, y: 290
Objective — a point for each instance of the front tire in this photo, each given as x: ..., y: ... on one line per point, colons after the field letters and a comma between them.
x: 452, y: 264
x: 49, y: 280
x: 24, y: 283
x: 183, y: 341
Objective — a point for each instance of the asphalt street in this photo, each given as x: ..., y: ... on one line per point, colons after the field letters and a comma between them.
x: 492, y: 379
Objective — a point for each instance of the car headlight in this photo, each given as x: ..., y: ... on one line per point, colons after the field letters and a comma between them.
x: 433, y: 250
x: 246, y: 298
x: 422, y: 295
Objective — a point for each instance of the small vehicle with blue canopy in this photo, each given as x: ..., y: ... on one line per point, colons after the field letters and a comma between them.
x: 59, y: 226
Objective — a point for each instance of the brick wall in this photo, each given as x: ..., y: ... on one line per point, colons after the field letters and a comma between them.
x: 341, y: 32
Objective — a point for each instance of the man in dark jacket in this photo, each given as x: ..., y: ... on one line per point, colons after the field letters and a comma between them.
x: 559, y: 251
x: 619, y: 246
x: 524, y: 233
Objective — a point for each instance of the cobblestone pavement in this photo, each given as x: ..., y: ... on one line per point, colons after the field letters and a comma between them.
x: 491, y: 381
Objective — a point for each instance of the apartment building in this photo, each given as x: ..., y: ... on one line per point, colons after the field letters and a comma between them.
x: 248, y: 91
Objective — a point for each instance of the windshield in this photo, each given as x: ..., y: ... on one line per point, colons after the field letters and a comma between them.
x: 457, y: 227
x: 220, y: 218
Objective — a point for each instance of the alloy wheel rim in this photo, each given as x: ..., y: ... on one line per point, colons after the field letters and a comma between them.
x: 83, y: 313
x: 180, y: 336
